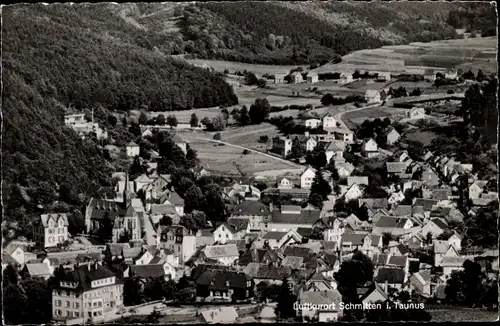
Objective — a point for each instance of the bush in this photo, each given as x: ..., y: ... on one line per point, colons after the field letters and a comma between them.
x: 246, y: 152
x: 450, y: 91
x: 226, y: 71
x: 263, y: 139
x: 217, y: 136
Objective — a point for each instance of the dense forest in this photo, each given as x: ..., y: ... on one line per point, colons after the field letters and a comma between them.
x: 475, y: 17
x: 59, y: 56
x: 281, y: 33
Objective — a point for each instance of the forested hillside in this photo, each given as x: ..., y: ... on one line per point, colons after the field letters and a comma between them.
x: 475, y: 17
x: 79, y: 56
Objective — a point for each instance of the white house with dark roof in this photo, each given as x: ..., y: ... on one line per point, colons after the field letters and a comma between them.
x: 233, y: 229
x: 288, y: 219
x: 392, y: 136
x: 296, y: 77
x: 329, y: 121
x: 369, y: 148
x: 416, y: 113
x: 323, y: 303
x: 51, y: 229
x: 372, y: 96
x: 258, y: 214
x: 224, y: 254
x: 477, y: 188
x: 312, y: 77
x: 279, y: 239
x: 306, y: 178
x: 333, y: 151
x: 353, y: 241
x: 345, y: 169
x: 284, y: 183
x: 353, y: 192
x: 435, y: 226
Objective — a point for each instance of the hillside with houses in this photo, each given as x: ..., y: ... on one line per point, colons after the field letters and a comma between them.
x: 154, y: 189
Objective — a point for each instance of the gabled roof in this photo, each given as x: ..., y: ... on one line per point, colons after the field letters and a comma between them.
x: 251, y: 208
x: 297, y: 251
x: 357, y: 180
x: 403, y: 210
x: 230, y: 250
x: 7, y: 259
x: 305, y: 232
x: 426, y: 203
x: 163, y: 209
x: 274, y: 273
x: 175, y: 199
x: 38, y: 269
x: 293, y: 262
x: 355, y: 238
x: 178, y: 140
x: 239, y: 224
x: 321, y: 298
x: 396, y: 167
x: 374, y: 203
x: 305, y: 217
x: 274, y: 235
x: 391, y: 222
x: 132, y: 144
x: 453, y: 261
x: 146, y: 271
x: 370, y: 289
x: 391, y: 275
x: 380, y: 259
x: 399, y: 261
x: 440, y: 246
x: 440, y: 223
x: 347, y: 166
x: 371, y: 93
x: 86, y: 274
x: 54, y: 216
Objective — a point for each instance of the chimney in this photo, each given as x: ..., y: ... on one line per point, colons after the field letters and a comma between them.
x: 386, y: 287
x: 271, y: 207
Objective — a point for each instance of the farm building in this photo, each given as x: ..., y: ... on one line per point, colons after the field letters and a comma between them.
x: 345, y: 78
x: 383, y: 76
x: 312, y: 77
x: 430, y: 75
x: 296, y: 78
x: 416, y: 113
x: 282, y: 145
x: 279, y: 78
x: 372, y: 96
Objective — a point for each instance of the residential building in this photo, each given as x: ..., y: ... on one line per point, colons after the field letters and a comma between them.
x: 430, y: 178
x: 334, y: 230
x: 353, y: 192
x: 353, y: 241
x: 224, y: 254
x: 393, y: 225
x: 372, y: 96
x: 278, y: 239
x: 329, y: 122
x: 312, y: 123
x: 443, y: 249
x: 245, y: 191
x: 306, y: 178
x: 291, y: 219
x: 38, y: 269
x: 477, y: 188
x: 132, y: 149
x: 360, y: 180
x: 87, y: 292
x: 325, y: 305
x: 306, y: 142
x: 145, y: 272
x: 142, y: 181
x: 383, y: 76
x: 345, y: 135
x: 345, y: 78
x: 282, y: 145
x: 369, y: 148
x: 74, y: 119
x: 225, y: 285
x: 51, y: 229
x: 284, y: 183
x: 430, y: 75
x: 233, y: 229
x: 177, y: 239
x: 435, y: 226
x: 421, y: 283
x: 345, y: 169
x: 392, y: 136
x: 389, y: 277
x: 296, y: 77
x: 416, y: 113
x: 312, y: 77
x: 279, y: 78
x: 258, y: 215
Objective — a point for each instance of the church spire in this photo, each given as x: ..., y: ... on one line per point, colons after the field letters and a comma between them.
x: 127, y: 195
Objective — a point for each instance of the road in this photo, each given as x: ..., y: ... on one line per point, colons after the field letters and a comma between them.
x: 254, y: 151
x: 148, y: 228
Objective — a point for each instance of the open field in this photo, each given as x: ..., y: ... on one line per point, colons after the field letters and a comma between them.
x: 476, y: 53
x: 351, y: 119
x: 456, y: 315
x: 232, y: 67
x: 249, y: 136
x: 229, y: 160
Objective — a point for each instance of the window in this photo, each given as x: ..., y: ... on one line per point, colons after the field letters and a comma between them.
x: 58, y: 303
x: 220, y: 235
x: 223, y: 228
x: 67, y: 304
x: 68, y: 313
x: 58, y: 312
x: 76, y: 314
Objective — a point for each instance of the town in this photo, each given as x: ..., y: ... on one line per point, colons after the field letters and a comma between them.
x: 364, y: 195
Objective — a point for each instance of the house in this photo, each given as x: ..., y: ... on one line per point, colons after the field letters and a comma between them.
x: 231, y: 230
x: 454, y: 239
x: 291, y: 219
x: 279, y: 78
x: 451, y: 264
x: 38, y: 269
x: 477, y: 188
x: 306, y: 142
x: 271, y: 274
x: 372, y: 294
x: 389, y: 277
x: 222, y: 315
x: 421, y: 282
x: 393, y: 225
x: 74, y: 119
x: 416, y: 113
x: 396, y: 168
x: 258, y: 214
x: 430, y: 178
x: 312, y: 77
x: 177, y: 201
x: 353, y: 222
x: 181, y: 143
x: 157, y: 212
x: 372, y: 96
x: 427, y: 204
x: 284, y: 183
x: 353, y: 192
x: 392, y: 136
x: 17, y: 252
x: 132, y: 149
x: 306, y: 178
x: 224, y: 254
x: 435, y: 226
x: 396, y: 197
x: 88, y: 292
x: 416, y: 241
x: 278, y: 239
x: 245, y: 191
x: 145, y: 272
x: 177, y: 239
x: 383, y: 76
x: 345, y: 169
x: 312, y: 123
x: 142, y: 181
x: 443, y: 249
x: 334, y: 231
x: 282, y: 145
x: 361, y: 181
x: 324, y: 306
x: 430, y: 75
x: 352, y: 241
x: 51, y: 229
x: 345, y: 135
x: 123, y: 215
x: 369, y: 148
x: 329, y: 121
x: 451, y: 74
x: 345, y: 78
x: 296, y: 77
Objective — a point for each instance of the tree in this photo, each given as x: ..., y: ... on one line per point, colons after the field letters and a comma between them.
x: 225, y: 114
x: 194, y: 221
x: 353, y: 273
x: 14, y: 304
x: 143, y: 119
x: 297, y: 151
x: 153, y: 317
x: 261, y: 83
x: 39, y: 300
x: 243, y: 117
x: 250, y: 79
x: 154, y: 288
x: 193, y: 199
x: 214, y: 204
x: 160, y: 120
x: 464, y: 287
x: 112, y: 120
x: 132, y: 292
x: 333, y: 170
x: 218, y: 123
x: 285, y: 298
x: 263, y: 139
x: 320, y: 186
x: 194, y: 120
x: 172, y: 121
x: 136, y: 169
x: 320, y: 160
x: 217, y: 136
x: 10, y: 275
x: 480, y: 76
x: 316, y: 200
x: 259, y: 111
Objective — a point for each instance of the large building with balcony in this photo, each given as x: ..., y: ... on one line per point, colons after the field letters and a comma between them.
x: 86, y: 293
x: 51, y: 229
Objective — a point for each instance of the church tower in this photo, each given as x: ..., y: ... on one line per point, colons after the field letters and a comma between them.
x: 127, y: 194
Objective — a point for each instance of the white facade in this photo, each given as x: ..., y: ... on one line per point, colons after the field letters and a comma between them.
x: 285, y: 184
x: 133, y: 150
x: 354, y: 192
x: 222, y: 234
x: 306, y: 179
x: 329, y: 121
x: 334, y: 233
x: 312, y: 123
